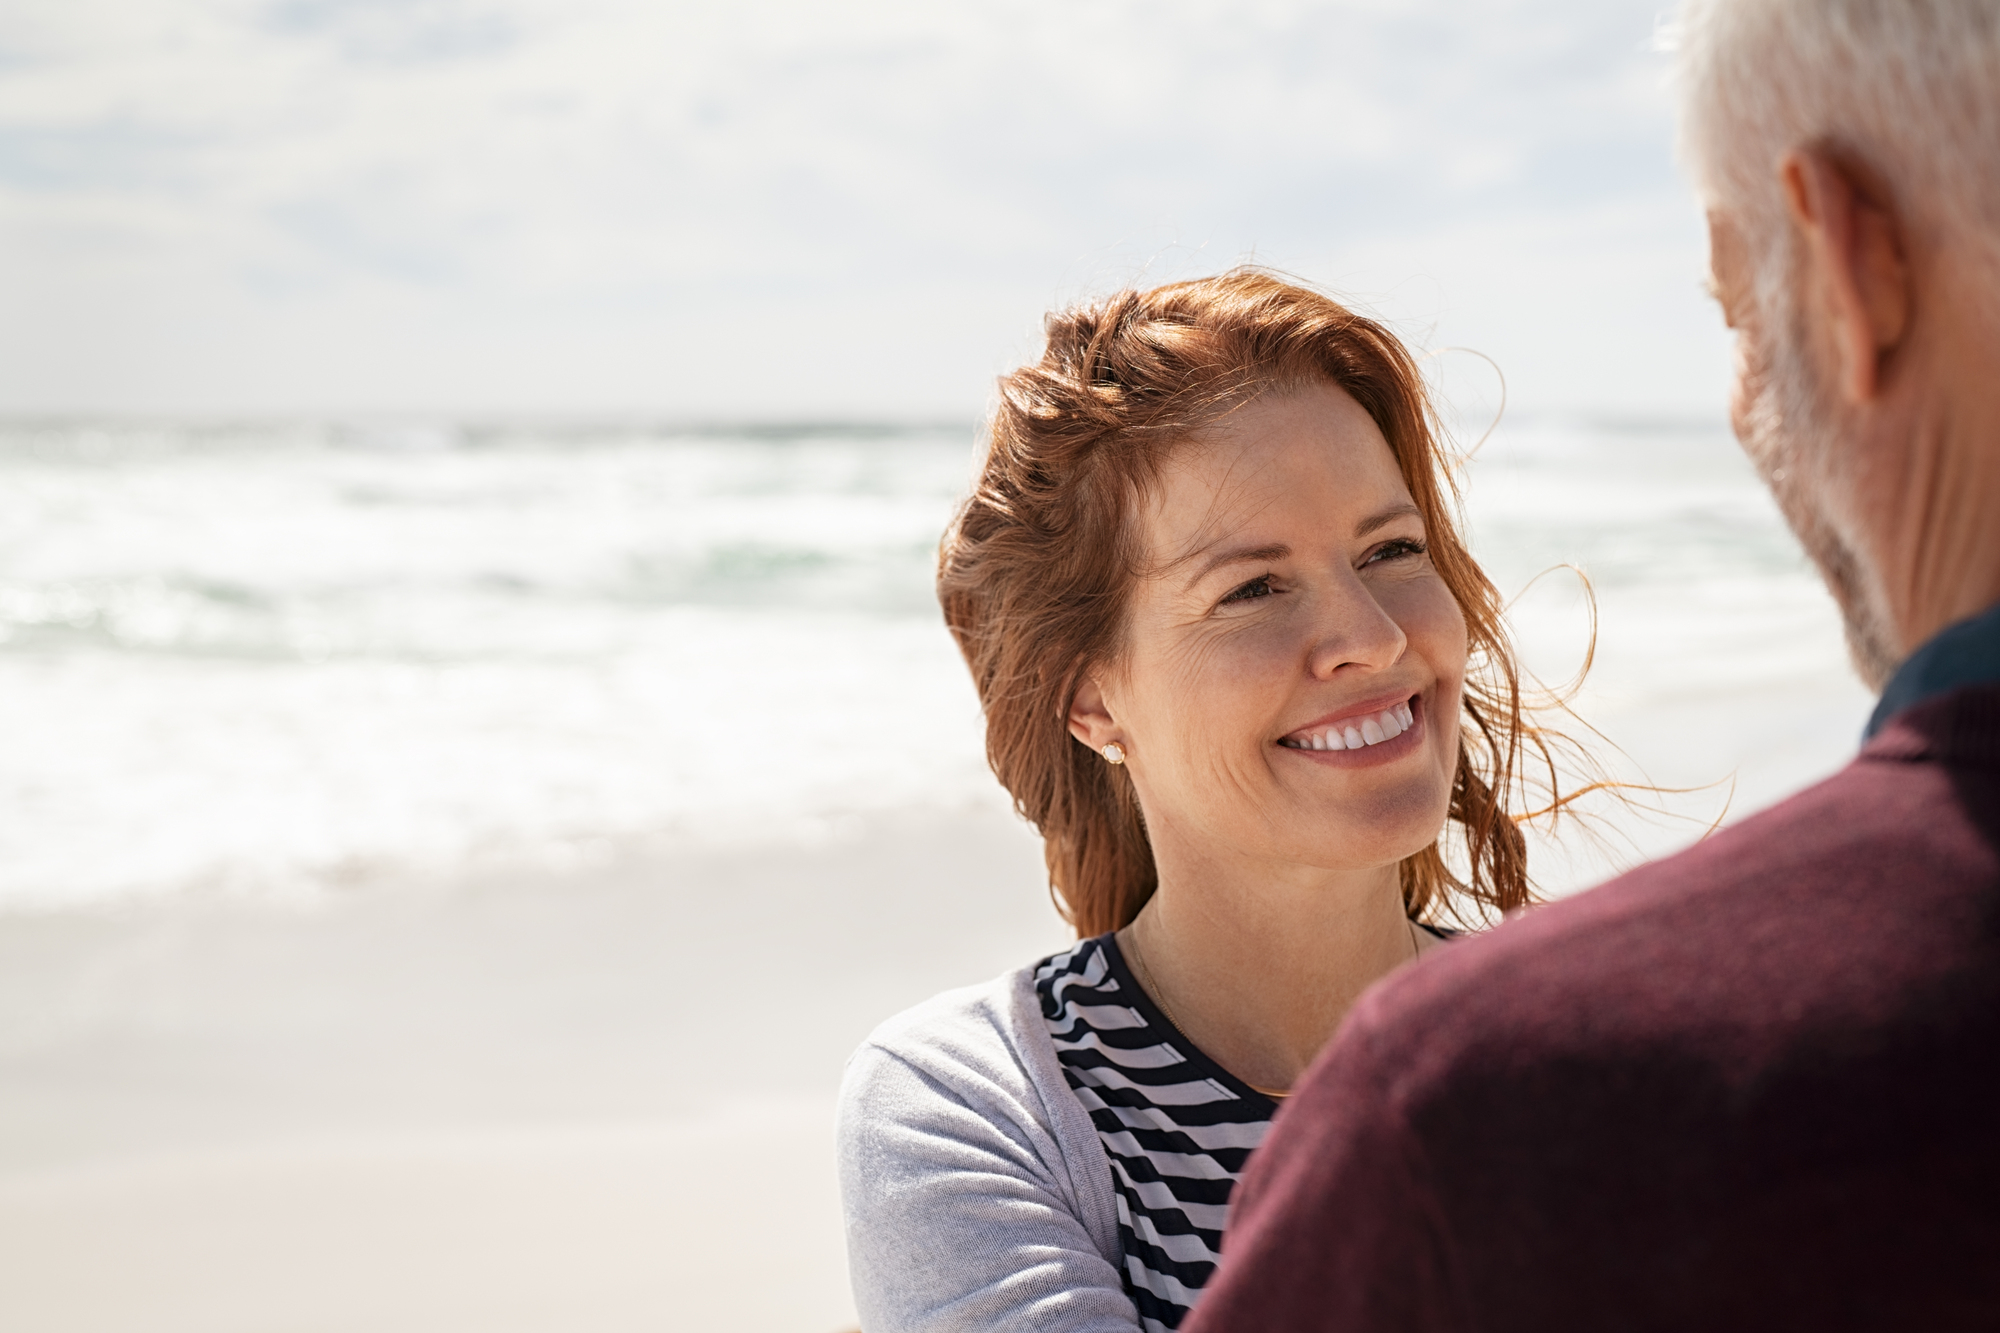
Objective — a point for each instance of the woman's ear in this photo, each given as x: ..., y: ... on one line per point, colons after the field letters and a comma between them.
x: 1090, y: 719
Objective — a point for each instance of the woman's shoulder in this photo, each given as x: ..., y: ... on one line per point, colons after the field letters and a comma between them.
x: 991, y: 1032
x: 959, y: 1136
x: 984, y: 1049
x: 968, y: 1016
x: 976, y: 1067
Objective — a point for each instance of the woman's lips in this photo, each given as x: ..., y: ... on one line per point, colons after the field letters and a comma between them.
x: 1356, y: 731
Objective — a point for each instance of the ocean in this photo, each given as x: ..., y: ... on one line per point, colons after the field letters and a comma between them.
x: 282, y: 660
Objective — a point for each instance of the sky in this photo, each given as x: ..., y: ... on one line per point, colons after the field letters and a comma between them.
x: 791, y: 209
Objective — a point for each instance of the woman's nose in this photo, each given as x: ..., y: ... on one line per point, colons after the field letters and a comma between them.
x: 1355, y: 630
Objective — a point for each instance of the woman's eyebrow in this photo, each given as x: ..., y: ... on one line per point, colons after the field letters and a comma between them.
x: 1239, y: 555
x: 1386, y: 517
x: 1243, y: 555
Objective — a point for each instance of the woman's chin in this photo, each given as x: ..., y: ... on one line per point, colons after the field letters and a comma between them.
x: 1374, y: 828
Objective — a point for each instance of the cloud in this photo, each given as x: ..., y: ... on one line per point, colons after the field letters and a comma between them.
x: 770, y: 206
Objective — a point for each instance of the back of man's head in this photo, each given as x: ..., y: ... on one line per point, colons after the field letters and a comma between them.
x: 1848, y: 152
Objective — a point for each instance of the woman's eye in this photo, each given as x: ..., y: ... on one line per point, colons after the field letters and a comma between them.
x: 1400, y: 549
x: 1257, y: 587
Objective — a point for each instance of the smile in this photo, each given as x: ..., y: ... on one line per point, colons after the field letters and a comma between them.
x: 1354, y: 733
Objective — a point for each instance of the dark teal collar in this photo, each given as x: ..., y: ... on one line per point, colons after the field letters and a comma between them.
x: 1967, y: 653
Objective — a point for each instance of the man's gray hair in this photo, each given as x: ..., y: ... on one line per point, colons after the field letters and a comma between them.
x: 1908, y: 88
x: 1907, y: 94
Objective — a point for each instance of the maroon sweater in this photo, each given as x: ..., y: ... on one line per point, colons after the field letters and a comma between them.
x: 1754, y: 1086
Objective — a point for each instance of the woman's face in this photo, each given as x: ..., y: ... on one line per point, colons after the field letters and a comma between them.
x: 1288, y: 690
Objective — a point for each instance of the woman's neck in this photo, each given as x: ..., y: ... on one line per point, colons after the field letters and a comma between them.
x: 1258, y: 970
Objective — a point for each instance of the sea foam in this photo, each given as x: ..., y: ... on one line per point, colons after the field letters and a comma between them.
x: 277, y: 659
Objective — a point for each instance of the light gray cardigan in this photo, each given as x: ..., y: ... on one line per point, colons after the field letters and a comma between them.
x: 978, y: 1195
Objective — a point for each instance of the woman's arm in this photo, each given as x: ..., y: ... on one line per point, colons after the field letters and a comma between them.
x: 958, y: 1219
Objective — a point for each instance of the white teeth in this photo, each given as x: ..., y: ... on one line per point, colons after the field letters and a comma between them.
x: 1386, y: 725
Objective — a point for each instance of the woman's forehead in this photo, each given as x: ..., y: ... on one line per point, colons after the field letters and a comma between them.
x: 1305, y: 457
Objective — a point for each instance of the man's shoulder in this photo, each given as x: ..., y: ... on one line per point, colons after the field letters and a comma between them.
x: 1775, y: 1044
x: 1708, y: 1084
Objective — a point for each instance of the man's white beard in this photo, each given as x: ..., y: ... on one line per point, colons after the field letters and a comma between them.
x: 1801, y: 446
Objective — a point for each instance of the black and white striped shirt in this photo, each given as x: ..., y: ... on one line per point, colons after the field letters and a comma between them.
x: 1178, y: 1127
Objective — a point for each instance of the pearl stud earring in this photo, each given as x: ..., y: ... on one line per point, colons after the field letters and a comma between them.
x: 1113, y: 753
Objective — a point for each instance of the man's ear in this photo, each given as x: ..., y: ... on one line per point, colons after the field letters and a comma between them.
x: 1856, y: 257
x: 1090, y: 720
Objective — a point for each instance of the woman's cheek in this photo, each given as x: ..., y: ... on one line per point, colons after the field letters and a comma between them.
x: 1226, y: 662
x: 1436, y: 629
x: 1433, y: 627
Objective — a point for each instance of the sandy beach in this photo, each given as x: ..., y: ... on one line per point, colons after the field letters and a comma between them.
x: 596, y: 1102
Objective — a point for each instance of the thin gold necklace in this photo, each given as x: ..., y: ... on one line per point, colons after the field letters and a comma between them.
x: 1159, y: 997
